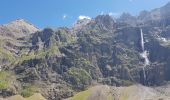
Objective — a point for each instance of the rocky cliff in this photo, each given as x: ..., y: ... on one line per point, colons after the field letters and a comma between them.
x: 59, y: 62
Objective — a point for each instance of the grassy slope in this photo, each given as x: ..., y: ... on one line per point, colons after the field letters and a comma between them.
x: 36, y: 96
x: 94, y: 93
x: 81, y: 95
x: 6, y: 79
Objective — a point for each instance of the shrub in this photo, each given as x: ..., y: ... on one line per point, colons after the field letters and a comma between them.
x: 4, y: 79
x: 29, y: 91
x: 127, y: 82
x: 79, y: 77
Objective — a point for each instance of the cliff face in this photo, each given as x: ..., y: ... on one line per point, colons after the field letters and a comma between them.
x: 58, y: 62
x: 13, y: 40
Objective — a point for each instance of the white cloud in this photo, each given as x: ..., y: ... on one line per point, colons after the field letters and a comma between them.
x: 64, y: 16
x: 83, y: 17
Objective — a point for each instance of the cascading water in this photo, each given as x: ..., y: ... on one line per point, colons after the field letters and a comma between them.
x: 144, y: 54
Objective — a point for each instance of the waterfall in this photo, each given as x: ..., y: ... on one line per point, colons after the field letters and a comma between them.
x: 144, y: 55
x: 142, y: 40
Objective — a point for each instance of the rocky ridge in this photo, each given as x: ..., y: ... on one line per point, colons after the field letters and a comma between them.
x: 57, y: 63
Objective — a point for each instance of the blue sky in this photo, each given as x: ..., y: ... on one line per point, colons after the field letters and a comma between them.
x: 55, y: 13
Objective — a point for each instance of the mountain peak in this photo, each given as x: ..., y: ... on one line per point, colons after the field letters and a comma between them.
x: 22, y: 22
x: 104, y: 17
x: 18, y: 28
x: 168, y: 4
x: 81, y: 23
x: 106, y: 21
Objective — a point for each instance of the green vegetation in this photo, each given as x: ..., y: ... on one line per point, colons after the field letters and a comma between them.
x: 52, y: 50
x: 79, y: 77
x: 4, y: 80
x: 24, y: 57
x: 29, y: 91
x: 65, y: 37
x: 127, y: 82
x: 7, y: 55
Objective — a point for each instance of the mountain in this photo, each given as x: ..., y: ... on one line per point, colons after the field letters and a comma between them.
x: 156, y: 17
x: 127, y: 18
x: 58, y: 63
x: 13, y: 37
x: 80, y: 23
x: 17, y: 28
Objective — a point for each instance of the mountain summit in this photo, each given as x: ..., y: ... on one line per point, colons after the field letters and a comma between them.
x: 17, y: 28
